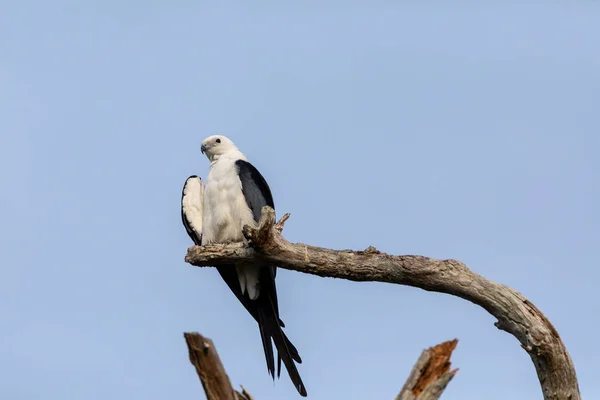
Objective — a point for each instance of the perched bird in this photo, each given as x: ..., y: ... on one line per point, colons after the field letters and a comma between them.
x: 234, y: 196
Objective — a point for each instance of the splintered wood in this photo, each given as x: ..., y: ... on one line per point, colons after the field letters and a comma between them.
x: 431, y: 373
x: 210, y: 370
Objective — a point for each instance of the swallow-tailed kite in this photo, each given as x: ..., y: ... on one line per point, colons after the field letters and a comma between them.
x: 234, y: 196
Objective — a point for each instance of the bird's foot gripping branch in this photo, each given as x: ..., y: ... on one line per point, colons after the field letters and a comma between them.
x: 515, y: 314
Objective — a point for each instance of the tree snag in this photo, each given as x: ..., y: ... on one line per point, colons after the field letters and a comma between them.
x: 204, y: 357
x: 515, y: 314
x: 431, y: 373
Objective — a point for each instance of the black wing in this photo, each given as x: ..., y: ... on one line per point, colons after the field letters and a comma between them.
x: 258, y: 194
x: 255, y: 188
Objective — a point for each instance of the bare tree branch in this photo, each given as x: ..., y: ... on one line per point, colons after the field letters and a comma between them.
x: 516, y: 315
x: 431, y: 374
x: 204, y: 357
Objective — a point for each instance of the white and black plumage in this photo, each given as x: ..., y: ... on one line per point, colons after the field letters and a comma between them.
x: 192, y: 201
x: 234, y: 196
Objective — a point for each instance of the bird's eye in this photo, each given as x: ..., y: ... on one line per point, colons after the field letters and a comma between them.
x: 218, y: 140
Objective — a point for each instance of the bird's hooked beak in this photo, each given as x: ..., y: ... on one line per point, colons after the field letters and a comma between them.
x: 203, y: 148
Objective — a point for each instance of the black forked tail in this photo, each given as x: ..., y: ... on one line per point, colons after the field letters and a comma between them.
x: 268, y: 319
x: 265, y: 311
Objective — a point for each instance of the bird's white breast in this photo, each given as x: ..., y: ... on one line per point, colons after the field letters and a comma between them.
x: 225, y: 208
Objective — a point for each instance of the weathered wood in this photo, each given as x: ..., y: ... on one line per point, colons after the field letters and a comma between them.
x: 431, y: 374
x: 210, y: 370
x: 515, y: 314
x: 244, y: 395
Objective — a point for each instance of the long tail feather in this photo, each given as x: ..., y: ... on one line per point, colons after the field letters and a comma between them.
x: 265, y: 336
x: 284, y: 353
x: 268, y: 308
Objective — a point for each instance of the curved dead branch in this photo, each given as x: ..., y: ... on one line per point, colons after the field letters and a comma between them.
x: 515, y: 314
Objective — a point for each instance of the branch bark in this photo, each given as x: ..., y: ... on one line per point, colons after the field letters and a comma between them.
x: 210, y: 370
x: 515, y: 313
x: 431, y: 374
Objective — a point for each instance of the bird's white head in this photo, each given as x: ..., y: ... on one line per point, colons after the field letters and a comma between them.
x: 217, y: 145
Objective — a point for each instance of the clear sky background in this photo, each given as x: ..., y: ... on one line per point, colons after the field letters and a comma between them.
x: 467, y: 130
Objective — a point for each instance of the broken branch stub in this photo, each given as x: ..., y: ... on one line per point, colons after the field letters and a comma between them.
x: 431, y: 373
x: 204, y: 357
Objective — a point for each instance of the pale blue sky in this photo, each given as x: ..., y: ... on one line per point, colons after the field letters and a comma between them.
x: 467, y: 130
